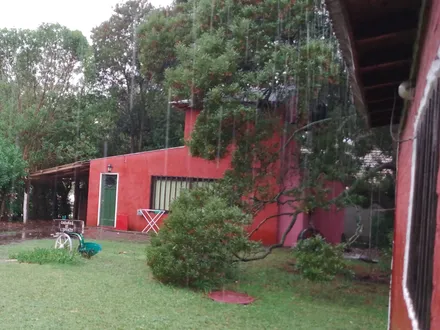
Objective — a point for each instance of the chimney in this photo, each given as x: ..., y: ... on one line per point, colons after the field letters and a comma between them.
x: 190, y: 121
x: 190, y: 116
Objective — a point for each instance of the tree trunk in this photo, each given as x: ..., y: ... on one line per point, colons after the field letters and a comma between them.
x: 142, y: 115
x: 3, y: 207
x: 132, y: 142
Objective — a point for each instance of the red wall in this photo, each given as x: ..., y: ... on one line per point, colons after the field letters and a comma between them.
x: 290, y: 179
x: 399, y: 318
x: 267, y: 233
x: 330, y: 222
x: 190, y: 121
x: 136, y: 170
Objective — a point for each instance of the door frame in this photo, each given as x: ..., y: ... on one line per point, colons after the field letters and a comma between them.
x: 100, y: 193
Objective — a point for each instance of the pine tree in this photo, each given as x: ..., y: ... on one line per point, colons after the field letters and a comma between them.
x: 242, y: 62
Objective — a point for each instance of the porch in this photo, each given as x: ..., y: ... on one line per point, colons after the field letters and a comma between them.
x: 58, y: 192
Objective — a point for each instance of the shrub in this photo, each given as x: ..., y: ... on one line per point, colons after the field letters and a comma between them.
x: 318, y: 260
x: 197, y: 243
x: 390, y: 241
x: 382, y: 226
x: 47, y: 256
x: 386, y: 257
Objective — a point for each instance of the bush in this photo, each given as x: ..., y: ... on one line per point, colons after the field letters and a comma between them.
x: 387, y: 254
x: 382, y: 226
x: 318, y: 260
x: 47, y: 256
x: 197, y: 243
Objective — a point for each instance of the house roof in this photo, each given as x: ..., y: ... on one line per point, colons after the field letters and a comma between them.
x: 63, y: 171
x: 251, y: 96
x: 377, y: 39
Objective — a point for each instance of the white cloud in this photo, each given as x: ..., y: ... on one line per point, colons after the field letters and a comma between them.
x: 81, y: 15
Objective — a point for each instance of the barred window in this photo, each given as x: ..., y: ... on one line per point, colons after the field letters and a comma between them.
x: 423, y: 223
x: 166, y: 189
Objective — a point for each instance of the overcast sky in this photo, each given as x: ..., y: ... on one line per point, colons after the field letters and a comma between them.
x: 80, y: 15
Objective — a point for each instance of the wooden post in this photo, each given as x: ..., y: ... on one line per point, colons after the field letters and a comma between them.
x: 76, y: 201
x: 35, y: 214
x: 26, y: 201
x: 82, y: 206
x: 55, y: 199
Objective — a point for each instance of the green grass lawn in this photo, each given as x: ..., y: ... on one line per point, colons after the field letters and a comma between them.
x: 115, y: 290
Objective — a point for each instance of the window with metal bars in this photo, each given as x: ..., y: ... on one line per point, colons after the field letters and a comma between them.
x: 166, y: 189
x: 423, y: 223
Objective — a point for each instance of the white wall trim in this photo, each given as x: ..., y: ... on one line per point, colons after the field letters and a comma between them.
x: 433, y: 74
x: 99, y: 198
x: 116, y: 198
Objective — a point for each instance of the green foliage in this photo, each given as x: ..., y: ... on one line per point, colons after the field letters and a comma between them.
x: 37, y: 73
x: 142, y: 120
x: 63, y: 101
x: 390, y: 239
x: 381, y: 229
x: 210, y: 62
x: 198, y: 242
x: 238, y: 61
x: 318, y: 260
x: 12, y: 172
x: 231, y: 58
x: 47, y: 256
x: 158, y: 37
x: 81, y: 125
x: 114, y: 42
x: 12, y: 166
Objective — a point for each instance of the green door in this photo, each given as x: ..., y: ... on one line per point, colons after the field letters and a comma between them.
x: 108, y: 200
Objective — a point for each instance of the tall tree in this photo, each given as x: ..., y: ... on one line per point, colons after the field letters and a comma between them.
x: 243, y: 62
x: 142, y: 103
x: 45, y: 109
x: 38, y: 69
x: 12, y: 171
x: 117, y: 66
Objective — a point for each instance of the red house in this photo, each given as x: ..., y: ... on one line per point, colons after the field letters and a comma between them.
x: 117, y: 191
x: 392, y: 50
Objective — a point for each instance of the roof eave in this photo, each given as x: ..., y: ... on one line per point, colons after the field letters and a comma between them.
x: 66, y: 170
x: 342, y: 29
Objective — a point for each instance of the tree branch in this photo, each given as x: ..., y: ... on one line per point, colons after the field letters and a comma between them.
x: 266, y: 219
x: 269, y: 249
x: 370, y: 173
x: 302, y: 129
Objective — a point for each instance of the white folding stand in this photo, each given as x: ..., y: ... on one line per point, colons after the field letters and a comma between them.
x: 151, y: 217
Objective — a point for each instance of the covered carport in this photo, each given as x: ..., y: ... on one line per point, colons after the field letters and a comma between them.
x: 51, y: 192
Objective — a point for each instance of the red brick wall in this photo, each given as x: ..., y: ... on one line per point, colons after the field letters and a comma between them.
x: 399, y: 318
